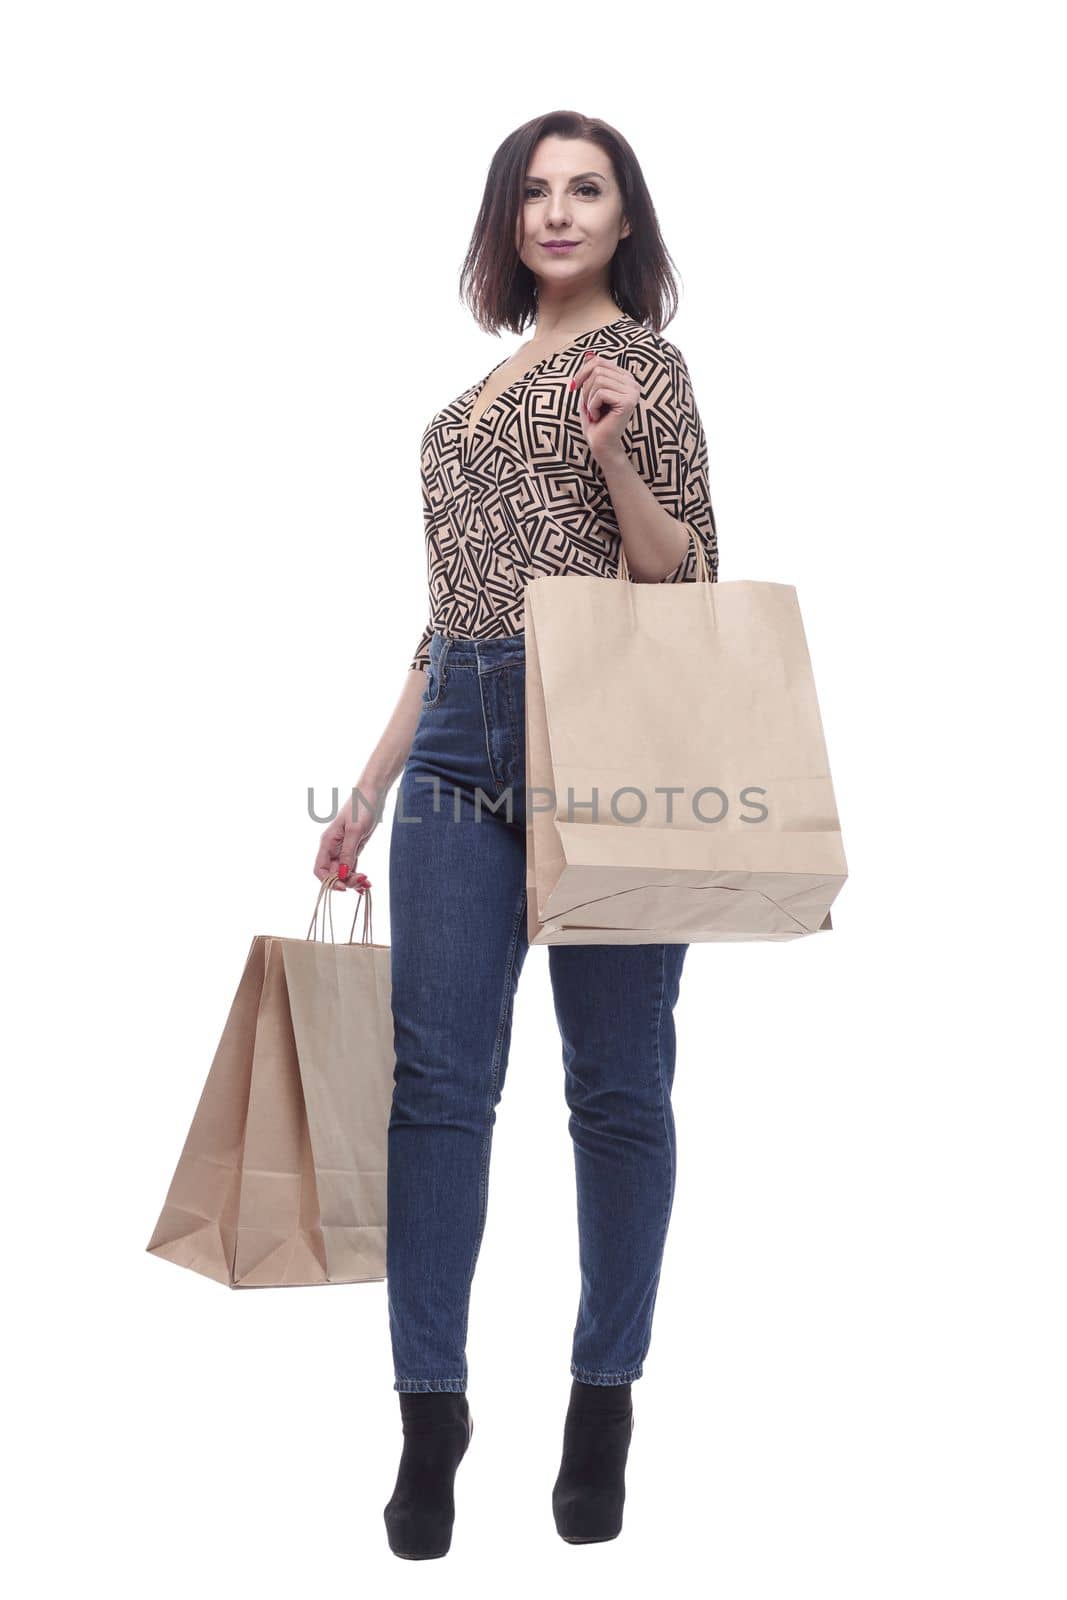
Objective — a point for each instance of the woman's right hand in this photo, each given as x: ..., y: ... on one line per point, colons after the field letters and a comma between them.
x: 344, y: 838
x: 341, y: 842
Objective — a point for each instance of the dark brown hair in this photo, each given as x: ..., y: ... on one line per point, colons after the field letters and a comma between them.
x: 499, y: 288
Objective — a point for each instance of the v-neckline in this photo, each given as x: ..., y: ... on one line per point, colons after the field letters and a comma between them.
x: 470, y: 427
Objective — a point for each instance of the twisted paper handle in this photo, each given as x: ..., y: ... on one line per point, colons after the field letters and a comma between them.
x: 326, y: 889
x: 702, y: 561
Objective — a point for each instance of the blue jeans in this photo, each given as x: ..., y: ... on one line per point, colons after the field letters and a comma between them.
x: 457, y: 889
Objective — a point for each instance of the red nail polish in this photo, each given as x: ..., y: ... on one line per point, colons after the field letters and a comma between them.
x: 342, y: 871
x: 572, y: 383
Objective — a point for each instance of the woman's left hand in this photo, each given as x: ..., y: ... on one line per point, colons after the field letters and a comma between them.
x: 607, y: 396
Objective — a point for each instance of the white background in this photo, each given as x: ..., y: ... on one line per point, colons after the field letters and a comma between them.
x: 233, y: 236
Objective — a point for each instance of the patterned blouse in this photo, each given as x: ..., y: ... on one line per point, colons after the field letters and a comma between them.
x: 523, y: 497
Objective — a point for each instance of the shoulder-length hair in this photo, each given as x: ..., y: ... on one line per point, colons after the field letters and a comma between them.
x: 501, y: 291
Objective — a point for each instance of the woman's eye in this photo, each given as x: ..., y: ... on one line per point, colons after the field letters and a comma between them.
x: 583, y: 188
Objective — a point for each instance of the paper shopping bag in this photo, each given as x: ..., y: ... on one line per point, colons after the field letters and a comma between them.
x: 282, y: 1180
x: 678, y: 783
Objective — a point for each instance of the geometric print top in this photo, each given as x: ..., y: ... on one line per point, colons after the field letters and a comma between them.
x: 523, y: 497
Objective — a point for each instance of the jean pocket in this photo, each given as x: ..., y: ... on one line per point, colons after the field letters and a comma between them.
x: 431, y: 693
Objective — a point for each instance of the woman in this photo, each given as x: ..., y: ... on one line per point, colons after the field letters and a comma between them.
x: 586, y: 440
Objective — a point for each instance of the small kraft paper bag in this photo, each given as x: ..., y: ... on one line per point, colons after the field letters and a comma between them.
x: 679, y: 787
x: 282, y: 1180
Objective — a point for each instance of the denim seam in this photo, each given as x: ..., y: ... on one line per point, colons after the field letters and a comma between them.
x: 498, y: 666
x: 656, y: 1039
x: 585, y: 1376
x: 494, y: 1081
x: 511, y: 729
x: 497, y: 785
x: 431, y: 1385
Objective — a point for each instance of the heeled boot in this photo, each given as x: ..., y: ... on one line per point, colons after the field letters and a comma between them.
x: 590, y: 1491
x: 420, y: 1515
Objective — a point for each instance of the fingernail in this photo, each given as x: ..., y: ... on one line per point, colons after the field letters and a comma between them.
x: 342, y: 871
x: 572, y: 383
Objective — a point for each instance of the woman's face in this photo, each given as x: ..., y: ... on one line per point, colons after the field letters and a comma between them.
x: 570, y: 196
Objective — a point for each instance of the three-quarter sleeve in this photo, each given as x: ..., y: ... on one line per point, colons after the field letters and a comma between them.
x: 422, y: 650
x: 421, y: 658
x: 679, y: 463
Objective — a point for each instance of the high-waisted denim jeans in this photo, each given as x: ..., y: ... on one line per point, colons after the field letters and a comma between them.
x: 457, y: 888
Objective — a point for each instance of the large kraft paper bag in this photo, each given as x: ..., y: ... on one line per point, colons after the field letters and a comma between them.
x: 704, y: 687
x: 282, y: 1180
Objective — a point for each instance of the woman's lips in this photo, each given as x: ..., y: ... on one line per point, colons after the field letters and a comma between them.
x: 560, y: 249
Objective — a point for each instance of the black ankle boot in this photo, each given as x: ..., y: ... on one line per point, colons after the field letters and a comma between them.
x: 589, y: 1492
x: 437, y: 1430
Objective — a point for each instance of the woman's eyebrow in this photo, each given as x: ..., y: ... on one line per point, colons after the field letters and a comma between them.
x: 600, y: 175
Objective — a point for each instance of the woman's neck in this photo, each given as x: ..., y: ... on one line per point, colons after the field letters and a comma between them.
x: 568, y: 322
